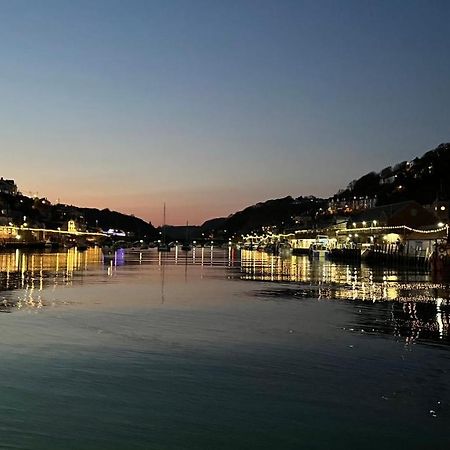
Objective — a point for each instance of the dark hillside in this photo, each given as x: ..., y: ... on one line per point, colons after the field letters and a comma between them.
x: 423, y: 179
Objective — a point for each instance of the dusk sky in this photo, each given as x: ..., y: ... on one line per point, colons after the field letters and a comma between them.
x: 210, y: 106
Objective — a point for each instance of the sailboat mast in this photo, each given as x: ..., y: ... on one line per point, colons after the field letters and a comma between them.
x: 163, y: 247
x: 164, y: 224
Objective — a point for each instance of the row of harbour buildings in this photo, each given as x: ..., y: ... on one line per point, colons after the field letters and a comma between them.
x: 400, y: 231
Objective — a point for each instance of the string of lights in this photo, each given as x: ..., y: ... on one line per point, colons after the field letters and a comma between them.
x: 270, y: 235
x: 48, y: 230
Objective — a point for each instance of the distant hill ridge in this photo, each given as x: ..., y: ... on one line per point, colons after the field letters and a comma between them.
x: 16, y: 208
x: 423, y: 179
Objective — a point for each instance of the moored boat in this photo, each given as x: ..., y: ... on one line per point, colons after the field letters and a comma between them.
x: 318, y: 251
x: 440, y: 260
x: 162, y: 245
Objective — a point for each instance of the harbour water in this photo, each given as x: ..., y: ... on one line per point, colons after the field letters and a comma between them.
x: 219, y: 349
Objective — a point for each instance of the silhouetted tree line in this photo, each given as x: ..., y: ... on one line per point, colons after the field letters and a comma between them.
x: 424, y: 180
x: 20, y: 209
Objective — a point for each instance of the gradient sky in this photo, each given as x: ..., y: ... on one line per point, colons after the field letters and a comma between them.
x: 211, y: 106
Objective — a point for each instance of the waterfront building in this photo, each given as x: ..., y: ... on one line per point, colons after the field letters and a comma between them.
x: 441, y: 209
x: 421, y: 245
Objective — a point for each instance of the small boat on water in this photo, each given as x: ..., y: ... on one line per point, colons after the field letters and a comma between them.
x: 318, y: 251
x: 279, y: 249
x: 284, y: 250
x: 320, y: 248
x: 186, y: 247
x: 49, y: 245
x: 440, y: 260
x: 271, y: 249
x: 163, y: 247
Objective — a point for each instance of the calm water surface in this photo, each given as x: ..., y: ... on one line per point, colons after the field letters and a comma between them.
x: 220, y: 351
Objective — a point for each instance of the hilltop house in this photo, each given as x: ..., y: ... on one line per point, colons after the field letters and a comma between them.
x: 409, y: 213
x: 8, y: 187
x: 344, y: 205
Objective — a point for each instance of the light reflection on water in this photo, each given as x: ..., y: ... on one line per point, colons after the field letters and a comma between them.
x: 418, y: 307
x: 246, y: 351
x: 342, y: 281
x: 30, y: 272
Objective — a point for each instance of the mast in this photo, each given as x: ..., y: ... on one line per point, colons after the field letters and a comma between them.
x: 164, y: 224
x: 163, y: 247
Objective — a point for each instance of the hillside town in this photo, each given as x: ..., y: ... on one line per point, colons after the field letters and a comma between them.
x: 400, y: 214
x: 34, y: 222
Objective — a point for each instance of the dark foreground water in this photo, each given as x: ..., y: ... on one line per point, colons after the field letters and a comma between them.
x: 222, y: 351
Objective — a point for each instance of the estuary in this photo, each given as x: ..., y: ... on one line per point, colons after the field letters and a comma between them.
x: 219, y: 349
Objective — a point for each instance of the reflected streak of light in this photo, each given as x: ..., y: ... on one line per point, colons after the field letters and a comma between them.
x: 439, y: 317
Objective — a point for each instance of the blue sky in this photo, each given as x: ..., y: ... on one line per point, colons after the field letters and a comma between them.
x: 211, y: 106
